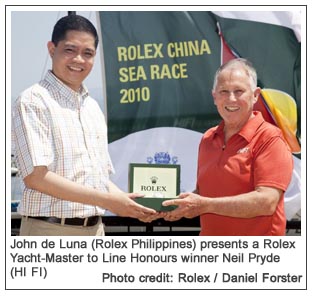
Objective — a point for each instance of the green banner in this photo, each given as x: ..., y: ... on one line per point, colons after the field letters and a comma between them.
x: 160, y: 65
x: 159, y: 70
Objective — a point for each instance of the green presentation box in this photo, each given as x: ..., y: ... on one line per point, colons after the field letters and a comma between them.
x: 158, y: 182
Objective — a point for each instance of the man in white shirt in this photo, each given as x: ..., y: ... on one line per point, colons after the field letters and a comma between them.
x: 60, y: 136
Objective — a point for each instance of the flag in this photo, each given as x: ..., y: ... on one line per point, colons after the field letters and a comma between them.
x: 277, y: 107
x: 283, y: 109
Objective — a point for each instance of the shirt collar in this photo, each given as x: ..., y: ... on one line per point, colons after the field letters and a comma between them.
x: 66, y: 91
x: 248, y: 129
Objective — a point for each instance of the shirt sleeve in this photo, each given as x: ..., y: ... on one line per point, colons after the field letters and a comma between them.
x: 273, y: 164
x: 31, y: 134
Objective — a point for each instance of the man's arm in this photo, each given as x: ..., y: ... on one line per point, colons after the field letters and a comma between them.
x: 112, y: 187
x: 118, y: 202
x: 260, y: 202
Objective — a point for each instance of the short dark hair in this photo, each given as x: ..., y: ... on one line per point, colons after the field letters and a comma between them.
x: 73, y: 22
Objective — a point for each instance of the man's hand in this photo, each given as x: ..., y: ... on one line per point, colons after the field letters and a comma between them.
x: 189, y: 206
x: 152, y: 217
x: 122, y: 204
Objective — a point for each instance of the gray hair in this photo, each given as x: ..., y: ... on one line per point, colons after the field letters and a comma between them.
x: 250, y: 71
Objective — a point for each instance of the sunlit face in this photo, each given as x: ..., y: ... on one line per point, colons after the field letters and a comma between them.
x: 234, y: 96
x: 73, y: 58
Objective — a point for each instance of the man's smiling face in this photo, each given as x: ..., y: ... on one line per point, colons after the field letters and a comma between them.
x: 73, y: 58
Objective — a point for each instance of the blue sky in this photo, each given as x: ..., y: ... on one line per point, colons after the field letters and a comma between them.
x: 30, y: 32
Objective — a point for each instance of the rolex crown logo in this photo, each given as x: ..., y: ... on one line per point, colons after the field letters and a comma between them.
x: 154, y: 179
x: 162, y: 158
